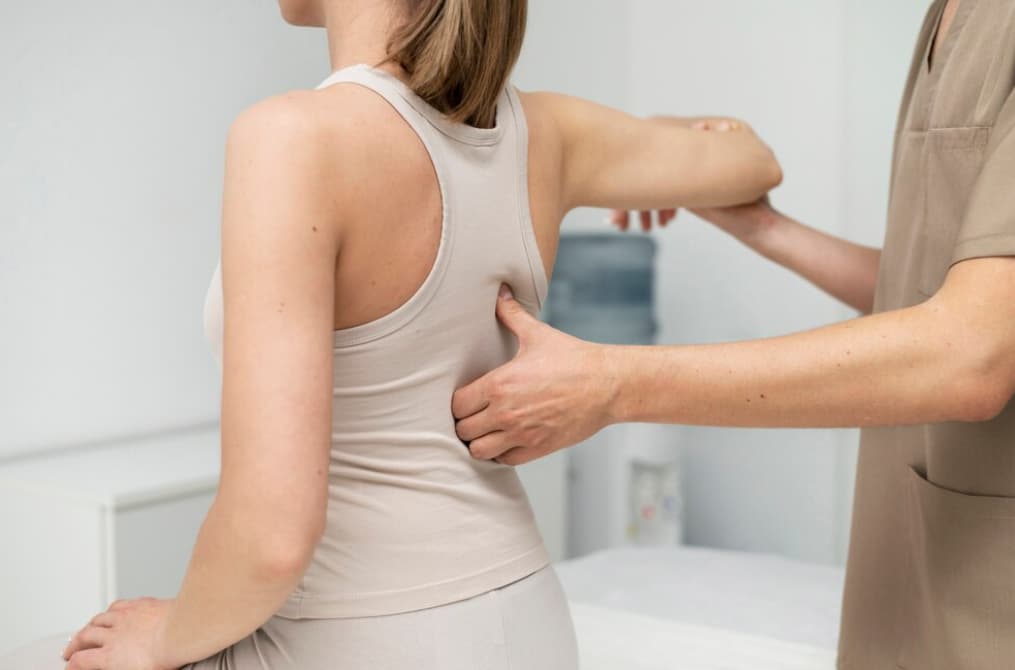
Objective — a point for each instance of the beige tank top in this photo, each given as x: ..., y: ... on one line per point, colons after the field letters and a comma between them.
x: 413, y: 521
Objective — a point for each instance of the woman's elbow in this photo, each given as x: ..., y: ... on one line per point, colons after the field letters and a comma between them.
x: 764, y: 164
x: 285, y: 555
x: 282, y: 563
x: 281, y: 542
x: 769, y: 170
x: 774, y: 173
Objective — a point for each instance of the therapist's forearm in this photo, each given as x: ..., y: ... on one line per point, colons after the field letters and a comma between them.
x: 237, y: 578
x: 901, y: 367
x: 843, y: 269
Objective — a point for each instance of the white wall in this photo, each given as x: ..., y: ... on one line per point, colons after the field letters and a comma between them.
x: 111, y: 146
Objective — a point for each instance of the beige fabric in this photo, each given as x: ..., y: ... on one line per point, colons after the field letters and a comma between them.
x: 930, y: 582
x: 413, y: 521
x: 522, y: 626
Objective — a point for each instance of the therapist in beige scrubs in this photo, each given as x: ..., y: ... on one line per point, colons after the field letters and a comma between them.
x: 929, y: 373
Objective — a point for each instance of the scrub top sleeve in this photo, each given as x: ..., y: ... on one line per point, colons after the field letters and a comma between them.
x: 988, y: 228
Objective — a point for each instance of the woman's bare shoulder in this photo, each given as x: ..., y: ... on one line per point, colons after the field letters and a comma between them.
x: 318, y: 118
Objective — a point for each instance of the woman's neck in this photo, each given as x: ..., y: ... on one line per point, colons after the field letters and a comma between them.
x: 359, y: 33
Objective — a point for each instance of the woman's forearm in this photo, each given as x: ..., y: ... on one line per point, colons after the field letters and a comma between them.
x: 843, y: 269
x: 237, y: 578
x: 904, y: 367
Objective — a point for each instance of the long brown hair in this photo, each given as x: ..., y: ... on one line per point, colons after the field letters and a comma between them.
x: 459, y: 53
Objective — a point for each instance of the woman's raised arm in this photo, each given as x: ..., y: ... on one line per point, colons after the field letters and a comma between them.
x: 615, y: 160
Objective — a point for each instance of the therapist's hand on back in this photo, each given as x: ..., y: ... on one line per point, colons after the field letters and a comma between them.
x: 556, y: 392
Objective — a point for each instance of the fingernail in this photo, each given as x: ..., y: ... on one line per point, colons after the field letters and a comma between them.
x: 505, y: 291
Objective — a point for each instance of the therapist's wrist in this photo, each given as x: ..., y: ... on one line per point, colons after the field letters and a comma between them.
x: 611, y: 381
x: 765, y: 230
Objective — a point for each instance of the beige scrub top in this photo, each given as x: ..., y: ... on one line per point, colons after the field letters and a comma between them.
x: 930, y: 581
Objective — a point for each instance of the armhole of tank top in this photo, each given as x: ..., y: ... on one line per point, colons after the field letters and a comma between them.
x: 402, y: 315
x: 537, y: 268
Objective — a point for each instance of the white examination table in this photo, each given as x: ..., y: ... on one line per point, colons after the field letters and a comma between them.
x: 683, y: 608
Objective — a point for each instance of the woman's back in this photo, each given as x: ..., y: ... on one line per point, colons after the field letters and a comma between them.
x: 413, y: 520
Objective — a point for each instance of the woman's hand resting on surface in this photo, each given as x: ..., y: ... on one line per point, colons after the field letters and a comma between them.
x: 121, y: 638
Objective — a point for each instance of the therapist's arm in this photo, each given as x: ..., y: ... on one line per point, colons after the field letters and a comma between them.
x: 845, y: 270
x: 951, y: 358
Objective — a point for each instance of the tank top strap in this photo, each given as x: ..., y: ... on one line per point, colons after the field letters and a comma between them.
x: 398, y: 95
x: 414, y: 108
x: 391, y: 89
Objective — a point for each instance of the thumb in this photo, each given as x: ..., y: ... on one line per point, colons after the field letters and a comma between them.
x: 513, y: 315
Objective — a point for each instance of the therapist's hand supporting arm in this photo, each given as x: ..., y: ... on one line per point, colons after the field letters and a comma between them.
x: 949, y: 358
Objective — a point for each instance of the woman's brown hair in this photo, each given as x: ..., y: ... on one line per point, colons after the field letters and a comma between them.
x: 459, y: 53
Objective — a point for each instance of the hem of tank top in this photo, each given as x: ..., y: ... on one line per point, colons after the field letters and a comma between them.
x: 403, y: 314
x: 303, y: 605
x: 461, y: 132
x: 537, y: 268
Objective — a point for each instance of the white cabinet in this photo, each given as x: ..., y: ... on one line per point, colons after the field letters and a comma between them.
x: 82, y: 527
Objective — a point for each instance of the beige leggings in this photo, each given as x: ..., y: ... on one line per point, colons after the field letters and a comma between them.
x: 525, y: 625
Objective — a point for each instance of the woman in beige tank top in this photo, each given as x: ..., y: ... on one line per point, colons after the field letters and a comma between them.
x: 367, y: 227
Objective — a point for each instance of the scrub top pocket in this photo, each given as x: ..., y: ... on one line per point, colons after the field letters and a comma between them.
x: 963, y: 577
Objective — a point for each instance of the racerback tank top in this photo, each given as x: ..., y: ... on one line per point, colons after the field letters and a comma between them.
x: 413, y: 521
